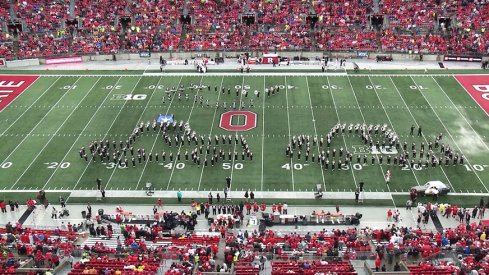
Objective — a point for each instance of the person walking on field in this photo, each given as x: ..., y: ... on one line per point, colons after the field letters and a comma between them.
x: 387, y: 176
x: 99, y: 183
x: 179, y: 196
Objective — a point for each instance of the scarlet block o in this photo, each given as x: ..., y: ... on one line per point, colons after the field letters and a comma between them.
x: 226, y: 120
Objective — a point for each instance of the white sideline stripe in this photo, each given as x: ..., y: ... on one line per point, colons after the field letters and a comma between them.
x: 448, y: 132
x: 85, y: 193
x: 417, y: 124
x: 156, y: 138
x: 137, y: 122
x: 258, y: 195
x: 35, y: 127
x: 79, y: 135
x: 278, y: 73
x: 57, y: 130
x: 120, y: 110
x: 315, y: 130
x: 210, y: 132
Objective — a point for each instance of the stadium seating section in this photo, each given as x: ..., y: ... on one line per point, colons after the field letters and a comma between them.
x: 53, y: 28
x: 140, y: 250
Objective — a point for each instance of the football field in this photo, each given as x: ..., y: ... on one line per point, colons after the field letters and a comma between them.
x: 43, y: 129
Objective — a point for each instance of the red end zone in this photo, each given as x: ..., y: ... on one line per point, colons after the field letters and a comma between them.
x: 478, y: 88
x: 12, y: 86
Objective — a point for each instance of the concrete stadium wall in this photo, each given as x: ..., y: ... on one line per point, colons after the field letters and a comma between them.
x: 191, y: 55
x: 210, y: 54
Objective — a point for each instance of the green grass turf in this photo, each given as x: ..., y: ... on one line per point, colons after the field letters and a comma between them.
x: 42, y: 145
x: 258, y: 69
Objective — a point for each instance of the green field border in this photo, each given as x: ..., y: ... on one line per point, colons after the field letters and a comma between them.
x: 22, y: 197
x: 264, y: 70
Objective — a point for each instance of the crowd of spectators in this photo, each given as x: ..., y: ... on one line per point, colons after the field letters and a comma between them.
x: 42, y: 15
x: 152, y: 14
x: 342, y: 13
x: 411, y: 43
x: 99, y: 14
x: 102, y: 40
x: 43, y: 247
x: 145, y: 245
x: 141, y: 264
x: 42, y: 44
x: 341, y: 25
x: 6, y: 46
x: 467, y: 240
x: 409, y: 14
x: 346, y: 39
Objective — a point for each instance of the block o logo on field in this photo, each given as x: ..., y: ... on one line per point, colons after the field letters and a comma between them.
x: 227, y: 118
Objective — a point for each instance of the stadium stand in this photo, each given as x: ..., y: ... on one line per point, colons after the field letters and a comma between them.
x: 6, y: 46
x: 342, y: 13
x: 43, y: 44
x: 111, y: 26
x: 42, y: 15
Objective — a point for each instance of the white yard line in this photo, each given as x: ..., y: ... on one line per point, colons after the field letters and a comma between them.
x: 180, y: 146
x: 19, y: 117
x: 390, y: 122
x: 468, y: 123
x: 263, y: 133
x: 339, y: 121
x: 78, y: 137
x: 210, y: 131
x: 236, y: 134
x: 288, y: 124
x: 448, y: 132
x: 157, y: 135
x: 108, y: 129
x: 139, y: 119
x: 41, y: 120
x: 315, y: 129
x: 363, y: 117
x: 57, y: 130
x: 417, y: 124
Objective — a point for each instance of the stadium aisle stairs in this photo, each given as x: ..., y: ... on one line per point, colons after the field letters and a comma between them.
x: 220, y: 253
x: 376, y: 6
x: 183, y: 32
x: 11, y: 9
x: 72, y: 8
x: 110, y: 243
x: 16, y: 45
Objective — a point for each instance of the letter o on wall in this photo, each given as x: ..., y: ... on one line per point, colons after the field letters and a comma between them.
x: 226, y: 121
